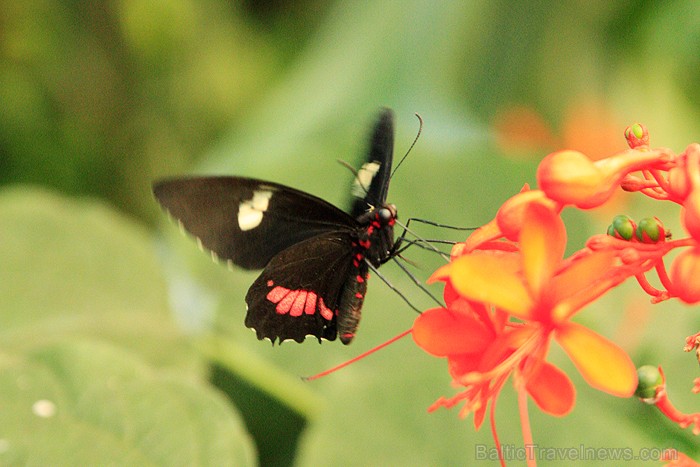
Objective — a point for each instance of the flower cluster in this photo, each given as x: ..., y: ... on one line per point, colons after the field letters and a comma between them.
x: 510, y: 292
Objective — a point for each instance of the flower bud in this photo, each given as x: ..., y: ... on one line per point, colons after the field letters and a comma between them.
x: 510, y: 217
x: 650, y: 230
x: 691, y: 214
x: 678, y: 183
x: 650, y: 378
x: 637, y: 136
x: 569, y: 177
x: 622, y: 227
x: 631, y: 183
x: 685, y: 176
x: 685, y: 271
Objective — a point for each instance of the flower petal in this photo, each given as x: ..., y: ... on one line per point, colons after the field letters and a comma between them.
x: 492, y: 277
x: 583, y: 281
x: 460, y: 365
x: 603, y: 364
x: 441, y: 332
x: 483, y: 234
x: 552, y: 390
x: 542, y: 242
x: 479, y: 415
x: 511, y: 215
x: 441, y: 274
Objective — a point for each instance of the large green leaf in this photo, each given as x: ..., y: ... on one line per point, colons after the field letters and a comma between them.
x: 76, y: 268
x: 89, y: 403
x: 93, y: 370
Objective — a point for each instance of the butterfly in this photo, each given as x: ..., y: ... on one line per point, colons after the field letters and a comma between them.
x: 315, y: 257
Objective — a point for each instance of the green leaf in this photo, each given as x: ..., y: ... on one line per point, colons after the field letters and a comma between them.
x: 76, y: 268
x: 93, y: 370
x: 89, y: 403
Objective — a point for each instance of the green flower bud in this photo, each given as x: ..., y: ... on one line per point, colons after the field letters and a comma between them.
x: 649, y: 380
x: 650, y: 230
x: 622, y: 227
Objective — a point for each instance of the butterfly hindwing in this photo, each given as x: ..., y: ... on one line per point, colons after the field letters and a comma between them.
x: 244, y: 220
x: 299, y: 291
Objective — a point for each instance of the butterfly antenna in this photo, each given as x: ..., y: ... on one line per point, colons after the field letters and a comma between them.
x: 415, y: 140
x: 348, y: 166
x: 355, y: 174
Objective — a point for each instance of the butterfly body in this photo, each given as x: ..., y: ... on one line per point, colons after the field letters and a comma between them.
x: 314, y: 256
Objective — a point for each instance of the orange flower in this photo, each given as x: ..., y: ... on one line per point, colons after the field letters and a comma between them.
x: 542, y: 291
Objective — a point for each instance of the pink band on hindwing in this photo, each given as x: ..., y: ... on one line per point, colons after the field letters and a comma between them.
x: 298, y: 302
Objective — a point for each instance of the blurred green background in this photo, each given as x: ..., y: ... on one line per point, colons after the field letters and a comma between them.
x: 120, y: 342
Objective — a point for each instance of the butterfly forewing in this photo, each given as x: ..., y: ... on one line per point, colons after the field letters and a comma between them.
x: 372, y: 182
x: 245, y: 220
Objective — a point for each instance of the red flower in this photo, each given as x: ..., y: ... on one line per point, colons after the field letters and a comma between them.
x: 504, y: 307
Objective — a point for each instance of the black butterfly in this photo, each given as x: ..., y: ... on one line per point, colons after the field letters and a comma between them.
x: 315, y: 256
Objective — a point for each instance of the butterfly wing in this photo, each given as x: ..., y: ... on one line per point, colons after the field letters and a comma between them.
x: 299, y: 291
x: 244, y: 220
x: 372, y: 182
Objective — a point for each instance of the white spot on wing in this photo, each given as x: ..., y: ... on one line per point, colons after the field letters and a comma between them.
x: 251, y: 211
x: 364, y: 178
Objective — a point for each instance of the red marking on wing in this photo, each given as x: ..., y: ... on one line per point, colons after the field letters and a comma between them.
x: 359, y: 279
x: 298, y: 302
x: 297, y: 308
x: 325, y: 311
x: 285, y: 305
x: 277, y: 294
x: 310, y: 307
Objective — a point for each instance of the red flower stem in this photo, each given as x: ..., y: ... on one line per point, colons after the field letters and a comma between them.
x: 661, y: 180
x: 663, y: 275
x: 654, y: 194
x: 664, y: 404
x: 359, y: 357
x: 647, y: 287
x: 494, y: 432
x: 528, y: 441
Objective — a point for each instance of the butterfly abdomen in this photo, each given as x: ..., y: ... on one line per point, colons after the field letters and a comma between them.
x: 350, y: 310
x: 374, y: 246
